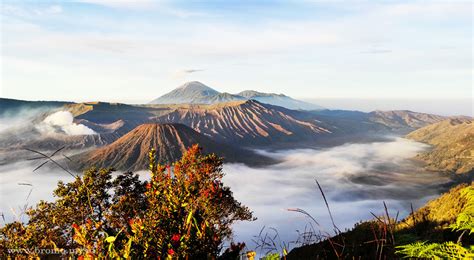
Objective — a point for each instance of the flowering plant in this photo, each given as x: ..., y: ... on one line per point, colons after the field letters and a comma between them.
x: 182, y: 211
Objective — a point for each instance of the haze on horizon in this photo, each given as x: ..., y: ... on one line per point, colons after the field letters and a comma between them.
x: 134, y: 52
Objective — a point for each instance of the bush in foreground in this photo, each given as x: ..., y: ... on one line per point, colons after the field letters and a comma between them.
x: 181, y: 212
x: 442, y: 229
x: 448, y: 250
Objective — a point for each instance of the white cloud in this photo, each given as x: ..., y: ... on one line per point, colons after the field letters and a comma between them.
x: 29, y: 12
x: 54, y: 9
x: 163, y: 6
x: 180, y: 74
x: 428, y: 8
x: 227, y: 38
x: 129, y: 4
x: 180, y: 13
x: 61, y: 122
x: 286, y: 50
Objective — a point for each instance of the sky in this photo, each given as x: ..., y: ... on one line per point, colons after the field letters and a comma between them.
x: 134, y: 52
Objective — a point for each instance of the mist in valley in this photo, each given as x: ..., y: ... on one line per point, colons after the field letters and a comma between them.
x: 21, y: 187
x: 356, y: 179
x: 20, y: 184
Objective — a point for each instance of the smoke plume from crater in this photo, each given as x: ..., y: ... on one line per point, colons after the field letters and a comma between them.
x: 62, y: 122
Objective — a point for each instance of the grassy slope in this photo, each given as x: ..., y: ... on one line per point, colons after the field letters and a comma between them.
x: 425, y: 224
x: 453, y: 142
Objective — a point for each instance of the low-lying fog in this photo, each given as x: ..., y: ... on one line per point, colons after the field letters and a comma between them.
x: 356, y: 178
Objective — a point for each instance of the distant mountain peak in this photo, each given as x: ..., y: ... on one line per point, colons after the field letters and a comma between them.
x: 195, y: 85
x: 195, y: 92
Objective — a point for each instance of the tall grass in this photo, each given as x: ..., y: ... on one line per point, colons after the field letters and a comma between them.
x: 385, y: 236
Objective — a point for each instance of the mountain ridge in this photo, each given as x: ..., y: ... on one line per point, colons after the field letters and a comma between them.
x: 130, y: 152
x: 247, y: 123
x: 279, y: 100
x: 453, y: 145
x: 396, y: 119
x: 195, y: 92
x: 189, y: 92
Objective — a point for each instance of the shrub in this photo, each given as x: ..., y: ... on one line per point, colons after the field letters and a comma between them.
x: 447, y: 250
x: 183, y: 211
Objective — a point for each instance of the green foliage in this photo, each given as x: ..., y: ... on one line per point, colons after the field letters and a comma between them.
x: 447, y: 250
x: 187, y: 212
x: 465, y: 220
x: 445, y: 224
x: 192, y: 211
x: 453, y: 141
x: 441, y: 212
x: 271, y: 256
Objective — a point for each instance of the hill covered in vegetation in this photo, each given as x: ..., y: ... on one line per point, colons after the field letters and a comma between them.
x: 453, y: 145
x: 402, y: 119
x: 442, y: 228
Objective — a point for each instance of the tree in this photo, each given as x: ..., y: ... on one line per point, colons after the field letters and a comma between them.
x: 183, y: 211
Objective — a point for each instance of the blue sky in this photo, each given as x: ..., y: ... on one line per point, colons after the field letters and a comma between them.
x: 133, y: 52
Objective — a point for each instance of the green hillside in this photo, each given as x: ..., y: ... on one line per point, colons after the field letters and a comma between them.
x: 453, y: 145
x: 383, y: 236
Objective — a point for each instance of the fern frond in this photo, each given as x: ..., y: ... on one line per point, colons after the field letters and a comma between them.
x: 465, y: 220
x: 447, y: 250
